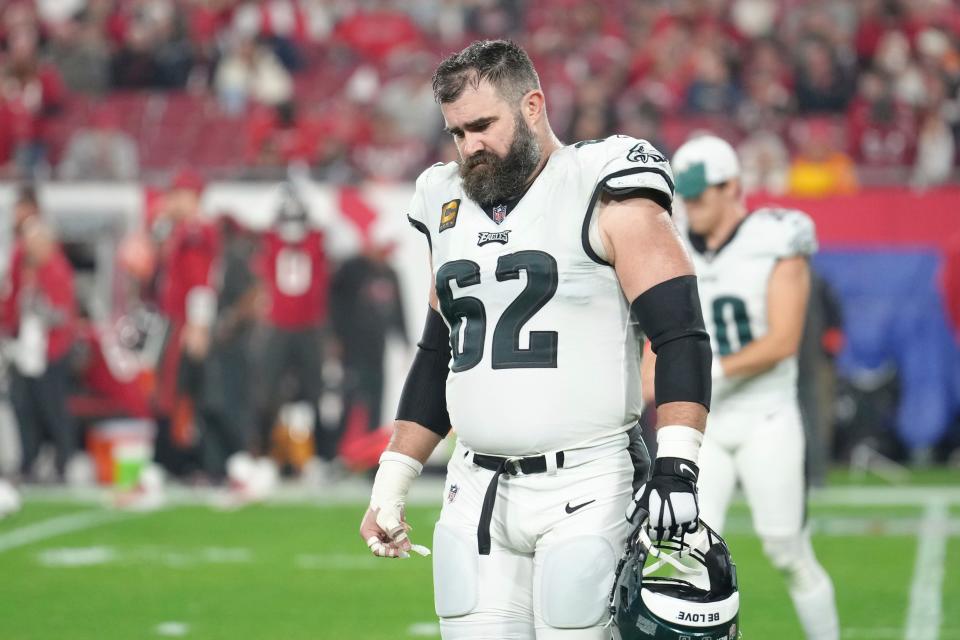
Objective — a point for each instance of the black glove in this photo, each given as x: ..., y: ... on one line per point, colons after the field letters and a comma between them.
x: 669, y: 498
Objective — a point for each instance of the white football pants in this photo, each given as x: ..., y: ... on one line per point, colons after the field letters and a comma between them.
x: 555, y: 541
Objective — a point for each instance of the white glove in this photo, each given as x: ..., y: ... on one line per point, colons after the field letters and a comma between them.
x: 669, y: 498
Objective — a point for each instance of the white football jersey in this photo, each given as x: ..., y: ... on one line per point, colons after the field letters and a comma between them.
x: 545, y: 356
x: 733, y: 294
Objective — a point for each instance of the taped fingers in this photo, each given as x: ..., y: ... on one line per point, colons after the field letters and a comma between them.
x: 390, y: 520
x: 389, y: 549
x: 390, y: 537
x: 384, y: 549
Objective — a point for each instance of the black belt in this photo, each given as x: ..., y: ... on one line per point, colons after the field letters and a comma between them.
x: 510, y: 466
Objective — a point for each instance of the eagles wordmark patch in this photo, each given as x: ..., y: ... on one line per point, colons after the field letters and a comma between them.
x: 448, y: 214
x: 486, y: 237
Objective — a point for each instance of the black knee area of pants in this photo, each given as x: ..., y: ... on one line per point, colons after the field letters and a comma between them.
x: 424, y: 396
x: 670, y: 316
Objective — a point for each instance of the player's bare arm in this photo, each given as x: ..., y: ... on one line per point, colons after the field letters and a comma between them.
x: 644, y: 247
x: 787, y: 295
x: 656, y: 274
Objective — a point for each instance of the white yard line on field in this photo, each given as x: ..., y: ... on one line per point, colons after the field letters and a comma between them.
x: 840, y: 526
x: 424, y: 630
x: 56, y: 526
x: 884, y: 496
x: 874, y: 633
x: 429, y: 490
x: 924, y: 613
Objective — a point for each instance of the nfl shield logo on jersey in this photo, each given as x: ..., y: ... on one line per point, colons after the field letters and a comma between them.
x: 452, y: 493
x: 499, y: 213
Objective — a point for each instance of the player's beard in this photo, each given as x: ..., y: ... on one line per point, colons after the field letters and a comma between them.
x: 491, y: 180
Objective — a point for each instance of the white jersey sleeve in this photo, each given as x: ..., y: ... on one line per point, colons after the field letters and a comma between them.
x: 621, y: 164
x: 787, y: 232
x: 417, y: 212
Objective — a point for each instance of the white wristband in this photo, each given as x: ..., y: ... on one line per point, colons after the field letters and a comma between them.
x: 679, y: 441
x: 392, y: 483
x: 716, y: 369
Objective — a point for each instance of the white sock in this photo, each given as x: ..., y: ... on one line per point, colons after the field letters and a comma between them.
x: 808, y: 583
x: 815, y: 603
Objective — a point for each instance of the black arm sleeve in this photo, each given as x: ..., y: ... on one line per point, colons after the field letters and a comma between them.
x: 670, y: 316
x: 424, y: 396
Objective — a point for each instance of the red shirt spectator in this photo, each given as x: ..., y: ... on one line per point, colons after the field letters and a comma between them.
x: 882, y: 130
x: 376, y: 34
x: 297, y: 279
x: 188, y: 262
x: 30, y: 91
x: 43, y: 283
x: 186, y: 294
x: 11, y: 285
x: 279, y: 136
x: 25, y: 209
x: 6, y: 135
x: 205, y: 22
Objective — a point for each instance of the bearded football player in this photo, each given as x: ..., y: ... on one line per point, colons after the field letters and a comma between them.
x: 542, y: 255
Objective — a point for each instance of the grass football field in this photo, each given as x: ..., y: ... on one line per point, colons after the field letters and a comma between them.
x: 296, y: 569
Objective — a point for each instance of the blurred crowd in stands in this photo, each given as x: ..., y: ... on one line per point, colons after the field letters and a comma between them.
x: 821, y: 95
x: 224, y: 341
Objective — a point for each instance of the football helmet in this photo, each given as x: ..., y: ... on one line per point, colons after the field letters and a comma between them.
x: 648, y: 607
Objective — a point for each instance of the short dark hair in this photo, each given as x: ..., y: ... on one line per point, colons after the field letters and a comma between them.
x: 501, y: 62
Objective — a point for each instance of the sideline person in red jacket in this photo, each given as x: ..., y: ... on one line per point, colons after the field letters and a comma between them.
x: 40, y: 313
x: 189, y: 251
x: 25, y: 208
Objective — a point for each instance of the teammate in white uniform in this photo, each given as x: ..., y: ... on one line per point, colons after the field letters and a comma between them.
x: 754, y: 279
x: 539, y: 254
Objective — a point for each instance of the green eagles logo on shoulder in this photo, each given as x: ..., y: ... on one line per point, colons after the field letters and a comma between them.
x: 640, y: 153
x: 448, y: 214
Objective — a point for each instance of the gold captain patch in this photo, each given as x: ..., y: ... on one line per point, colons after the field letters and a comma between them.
x: 448, y: 214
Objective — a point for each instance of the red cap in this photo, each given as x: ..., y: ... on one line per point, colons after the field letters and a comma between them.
x: 187, y: 179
